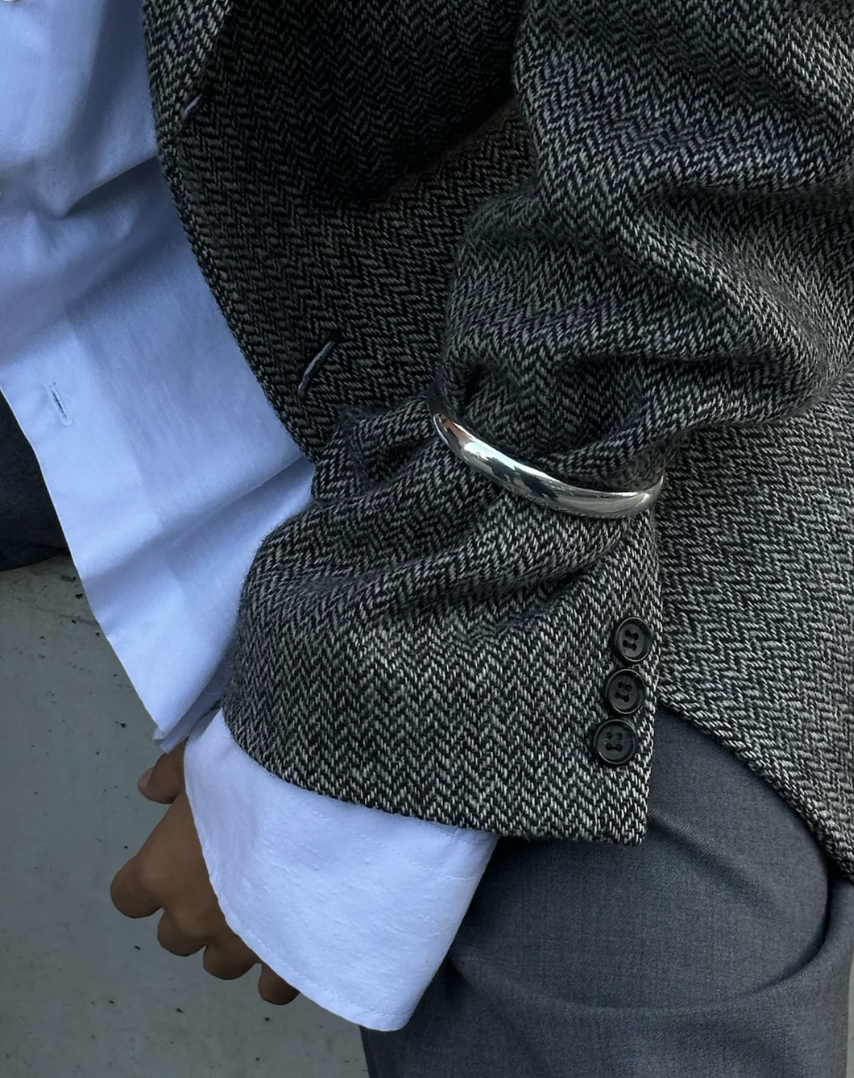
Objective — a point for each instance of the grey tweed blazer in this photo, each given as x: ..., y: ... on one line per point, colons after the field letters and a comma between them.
x: 618, y: 238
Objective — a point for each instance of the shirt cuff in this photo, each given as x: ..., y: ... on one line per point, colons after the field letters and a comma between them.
x: 354, y: 907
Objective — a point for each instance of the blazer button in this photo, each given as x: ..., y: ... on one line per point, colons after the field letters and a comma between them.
x: 615, y: 741
x: 625, y: 692
x: 632, y: 640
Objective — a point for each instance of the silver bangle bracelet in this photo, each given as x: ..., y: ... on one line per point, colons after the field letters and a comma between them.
x: 530, y: 482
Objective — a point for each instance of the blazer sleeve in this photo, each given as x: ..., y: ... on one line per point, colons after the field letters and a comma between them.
x: 679, y: 258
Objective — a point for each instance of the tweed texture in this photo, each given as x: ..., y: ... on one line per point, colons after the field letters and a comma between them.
x: 621, y: 238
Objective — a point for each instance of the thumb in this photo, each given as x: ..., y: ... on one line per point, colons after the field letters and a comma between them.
x: 164, y: 781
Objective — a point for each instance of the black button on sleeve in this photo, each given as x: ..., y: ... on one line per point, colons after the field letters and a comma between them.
x: 632, y: 640
x: 615, y: 742
x: 625, y: 692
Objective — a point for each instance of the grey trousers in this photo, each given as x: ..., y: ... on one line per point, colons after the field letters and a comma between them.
x: 721, y: 947
x: 29, y: 527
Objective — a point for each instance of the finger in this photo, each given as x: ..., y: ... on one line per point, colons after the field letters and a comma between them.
x: 178, y: 939
x: 128, y: 893
x: 228, y: 960
x: 163, y: 782
x: 273, y: 989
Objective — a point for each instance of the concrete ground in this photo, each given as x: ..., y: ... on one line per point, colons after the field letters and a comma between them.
x: 83, y: 991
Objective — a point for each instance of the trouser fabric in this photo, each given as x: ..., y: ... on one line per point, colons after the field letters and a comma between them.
x: 720, y: 947
x: 29, y: 527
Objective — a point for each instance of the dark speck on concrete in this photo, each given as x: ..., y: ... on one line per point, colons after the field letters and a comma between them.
x: 178, y: 1009
x: 79, y: 595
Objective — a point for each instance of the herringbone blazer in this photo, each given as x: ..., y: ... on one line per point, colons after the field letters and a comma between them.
x: 618, y: 239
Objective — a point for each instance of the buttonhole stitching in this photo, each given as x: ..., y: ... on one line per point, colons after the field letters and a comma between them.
x: 189, y: 107
x: 60, y: 407
x: 314, y: 365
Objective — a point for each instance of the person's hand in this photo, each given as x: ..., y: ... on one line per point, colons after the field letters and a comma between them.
x: 169, y: 874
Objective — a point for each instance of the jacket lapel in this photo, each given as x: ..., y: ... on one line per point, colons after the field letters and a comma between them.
x: 180, y: 36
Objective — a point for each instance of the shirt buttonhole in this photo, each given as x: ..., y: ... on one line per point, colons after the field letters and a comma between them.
x: 57, y: 403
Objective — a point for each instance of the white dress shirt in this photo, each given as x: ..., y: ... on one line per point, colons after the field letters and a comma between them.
x: 167, y: 467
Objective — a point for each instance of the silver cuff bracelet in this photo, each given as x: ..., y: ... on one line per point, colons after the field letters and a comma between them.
x: 530, y: 482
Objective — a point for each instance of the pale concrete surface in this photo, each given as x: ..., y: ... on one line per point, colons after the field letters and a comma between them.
x: 84, y: 991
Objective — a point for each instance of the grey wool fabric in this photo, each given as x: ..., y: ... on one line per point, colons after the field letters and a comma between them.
x: 619, y: 238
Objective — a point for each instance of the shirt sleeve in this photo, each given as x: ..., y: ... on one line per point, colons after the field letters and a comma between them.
x: 353, y: 906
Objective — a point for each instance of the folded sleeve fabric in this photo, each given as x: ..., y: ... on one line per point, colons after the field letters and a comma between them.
x: 167, y: 467
x: 678, y: 257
